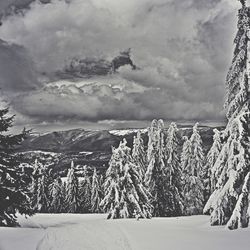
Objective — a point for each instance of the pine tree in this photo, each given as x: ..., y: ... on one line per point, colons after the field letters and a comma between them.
x: 138, y: 153
x: 64, y: 193
x: 72, y: 198
x: 85, y: 192
x: 155, y: 177
x: 125, y: 195
x: 232, y: 165
x: 42, y: 205
x: 186, y: 153
x: 40, y: 194
x: 192, y: 174
x: 229, y: 202
x: 14, y: 194
x: 57, y: 196
x: 212, y: 156
x: 95, y: 193
x: 101, y: 181
x: 173, y: 173
x: 34, y: 184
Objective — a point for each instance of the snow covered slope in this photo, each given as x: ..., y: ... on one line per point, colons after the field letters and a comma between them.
x: 123, y: 132
x: 94, y: 232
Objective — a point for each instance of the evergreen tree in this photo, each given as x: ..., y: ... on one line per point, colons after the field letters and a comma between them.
x: 212, y: 156
x: 155, y: 177
x: 34, y: 184
x: 57, y: 196
x: 192, y: 174
x: 186, y: 154
x: 85, y: 192
x: 64, y: 192
x: 14, y: 195
x: 40, y: 193
x: 230, y: 201
x: 240, y: 215
x: 173, y: 173
x: 138, y: 153
x: 95, y: 193
x: 72, y: 192
x: 101, y: 181
x: 125, y: 195
x: 42, y: 205
x: 232, y: 166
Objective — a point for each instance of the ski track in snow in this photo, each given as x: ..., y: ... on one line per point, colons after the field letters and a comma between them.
x: 95, y: 232
x: 76, y: 232
x: 91, y: 235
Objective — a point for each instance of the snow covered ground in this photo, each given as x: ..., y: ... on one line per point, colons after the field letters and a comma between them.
x: 94, y: 232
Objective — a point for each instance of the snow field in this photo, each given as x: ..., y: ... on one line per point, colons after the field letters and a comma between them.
x: 94, y: 232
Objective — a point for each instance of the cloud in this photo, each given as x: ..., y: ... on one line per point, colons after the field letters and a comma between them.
x: 17, y: 72
x: 182, y: 47
x: 59, y: 30
x: 105, y: 102
x: 11, y: 6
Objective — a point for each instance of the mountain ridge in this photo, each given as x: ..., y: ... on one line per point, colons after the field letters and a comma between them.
x: 87, y: 147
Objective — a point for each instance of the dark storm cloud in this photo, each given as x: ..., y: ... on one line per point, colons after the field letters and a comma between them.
x: 182, y: 47
x: 9, y: 6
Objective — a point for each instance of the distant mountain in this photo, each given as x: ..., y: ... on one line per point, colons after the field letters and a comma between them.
x: 76, y: 140
x: 86, y: 147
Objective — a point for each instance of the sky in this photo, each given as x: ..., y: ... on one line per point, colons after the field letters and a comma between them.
x: 183, y: 50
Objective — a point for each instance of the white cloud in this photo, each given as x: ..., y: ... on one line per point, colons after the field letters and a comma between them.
x: 182, y: 47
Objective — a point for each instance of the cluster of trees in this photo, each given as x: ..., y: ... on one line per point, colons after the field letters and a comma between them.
x: 72, y: 194
x: 162, y: 179
x: 138, y: 182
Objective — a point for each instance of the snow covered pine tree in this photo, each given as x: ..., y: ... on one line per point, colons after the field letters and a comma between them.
x: 212, y: 156
x: 229, y: 203
x: 13, y: 180
x: 192, y: 172
x: 85, y: 192
x: 125, y: 195
x: 95, y: 193
x: 155, y: 177
x: 41, y: 196
x: 138, y: 153
x: 57, y: 196
x: 72, y: 190
x: 174, y: 204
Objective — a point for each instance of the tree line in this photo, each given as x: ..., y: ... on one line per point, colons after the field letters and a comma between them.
x: 159, y: 179
x: 164, y: 178
x: 73, y: 194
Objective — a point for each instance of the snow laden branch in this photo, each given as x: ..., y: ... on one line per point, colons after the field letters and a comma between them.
x: 230, y: 199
